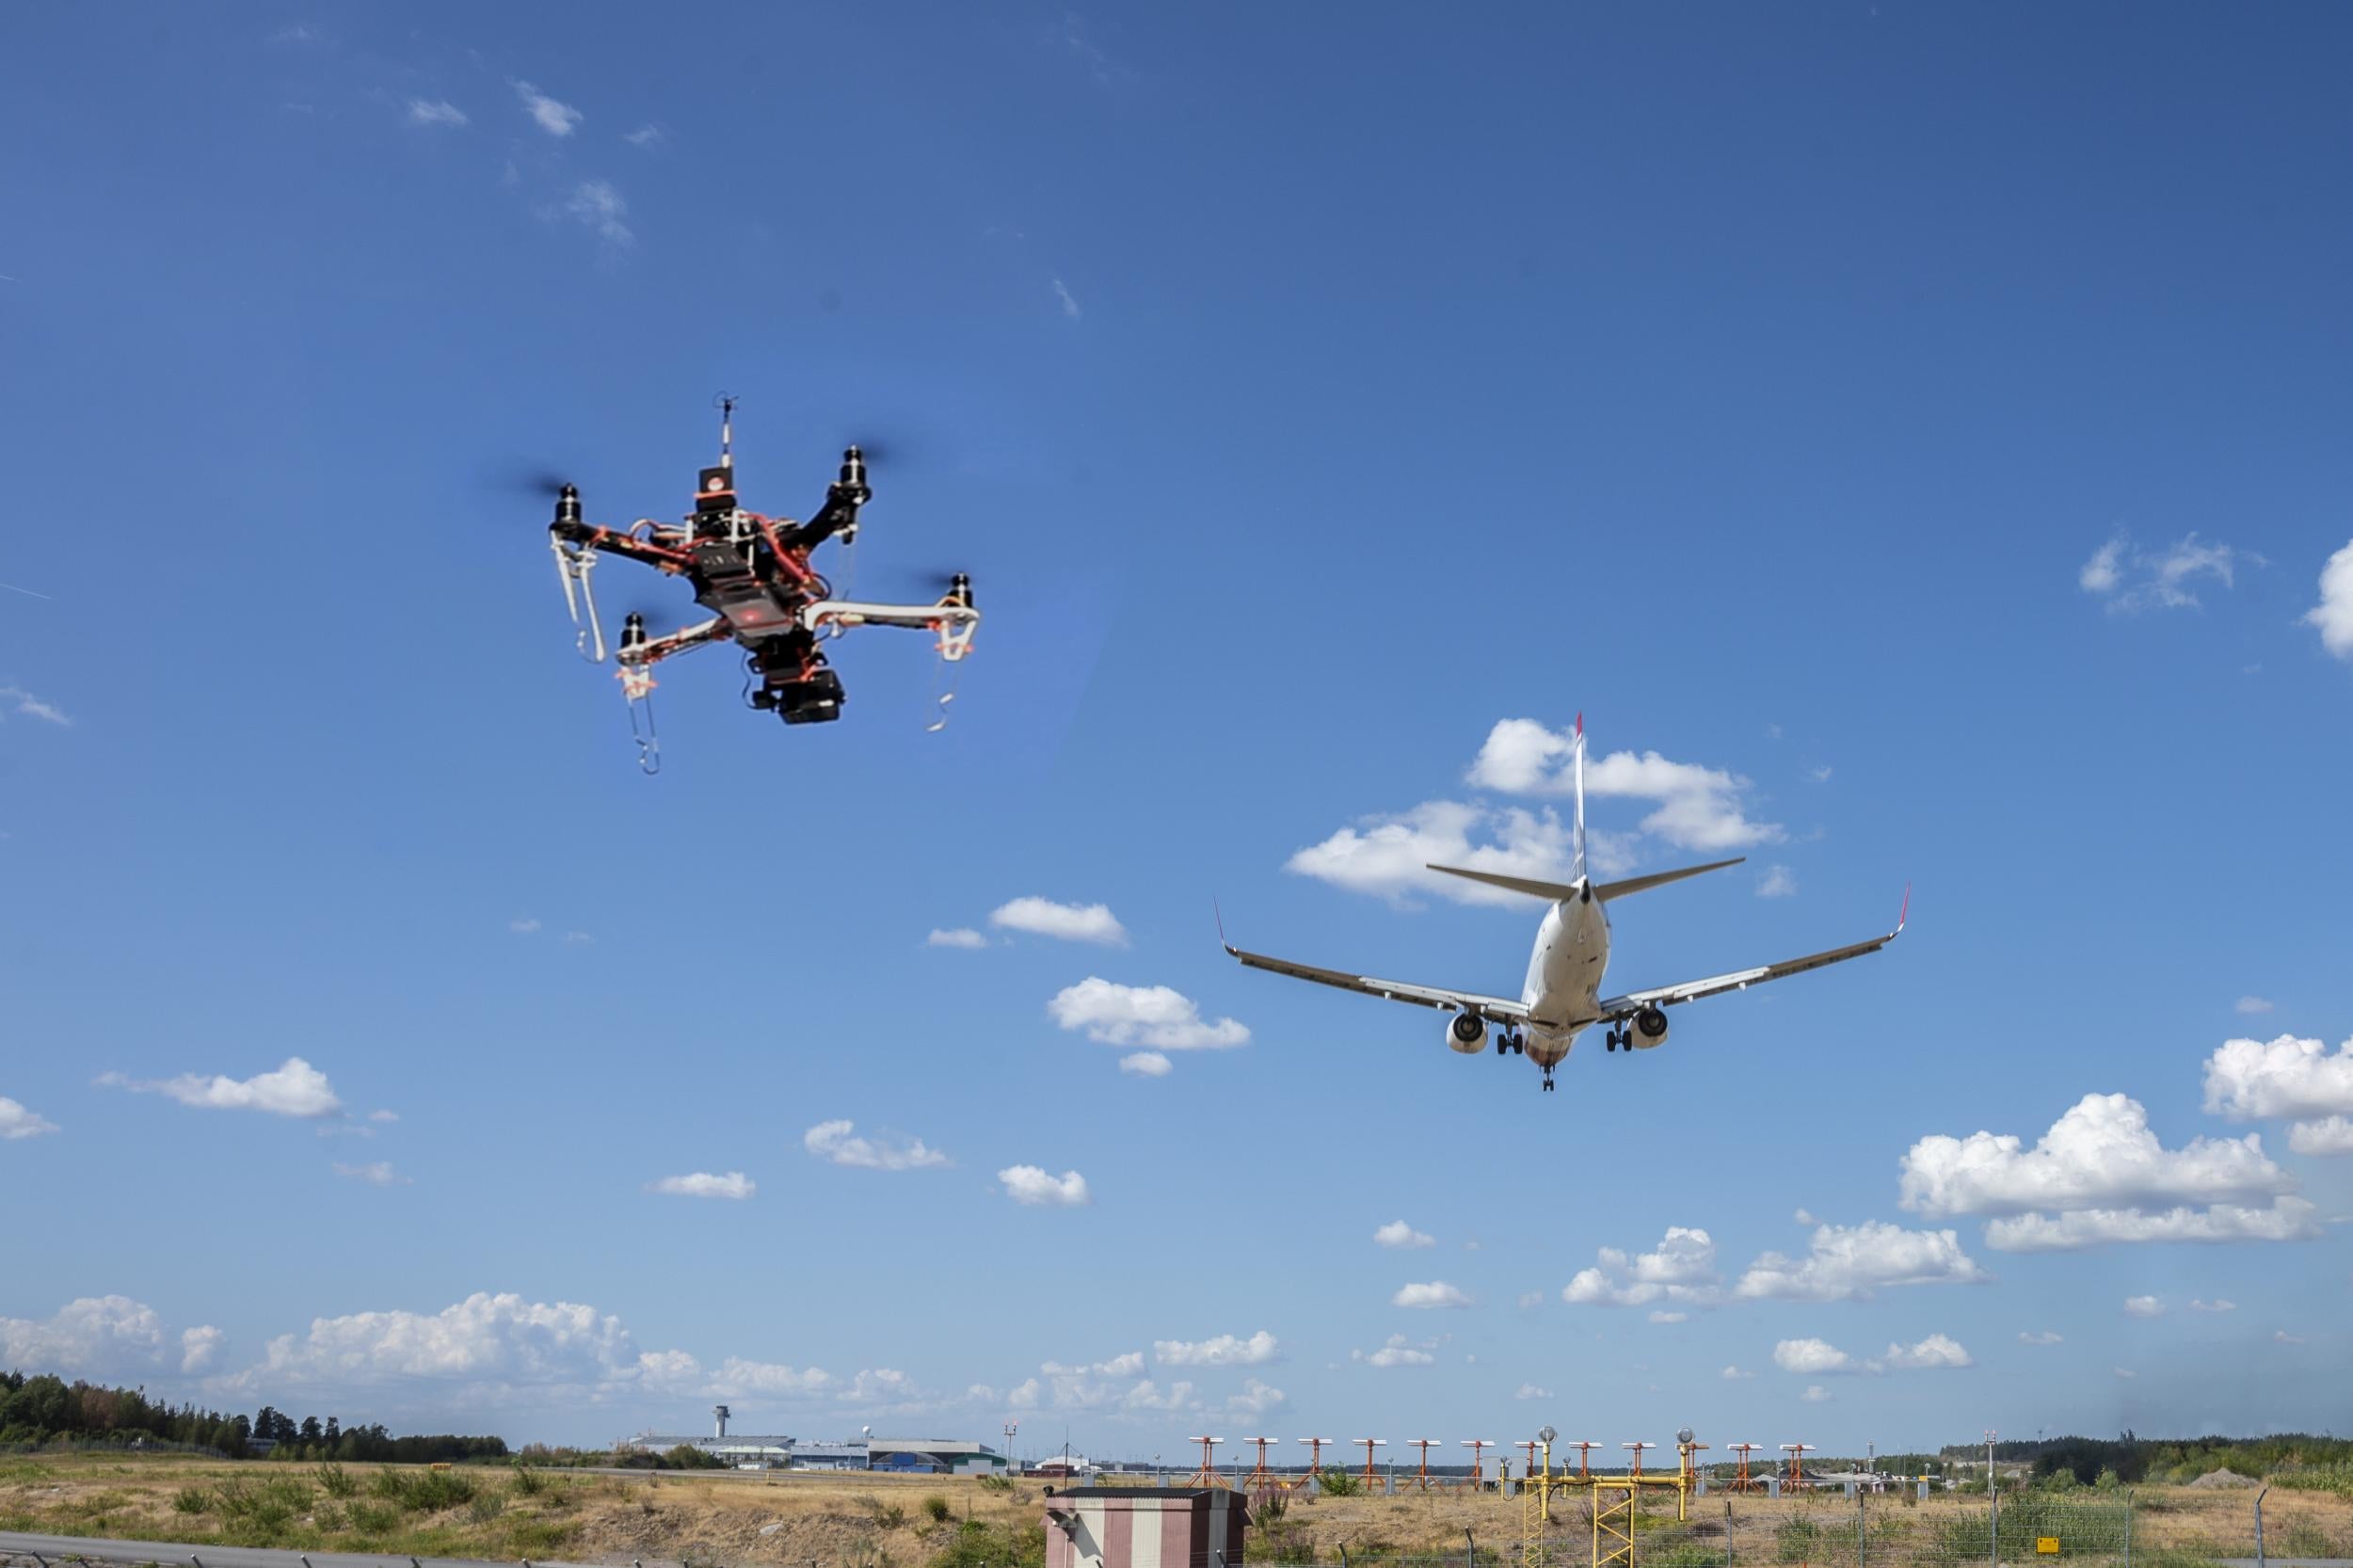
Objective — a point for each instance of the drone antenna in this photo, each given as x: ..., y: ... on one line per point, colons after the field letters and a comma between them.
x: 725, y: 406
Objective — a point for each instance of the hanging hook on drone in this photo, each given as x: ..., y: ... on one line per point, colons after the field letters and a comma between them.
x: 637, y: 683
x: 572, y: 566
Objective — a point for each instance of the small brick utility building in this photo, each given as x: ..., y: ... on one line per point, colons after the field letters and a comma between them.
x: 1145, y: 1527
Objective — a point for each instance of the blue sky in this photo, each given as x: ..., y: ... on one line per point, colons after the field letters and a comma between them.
x: 1923, y: 430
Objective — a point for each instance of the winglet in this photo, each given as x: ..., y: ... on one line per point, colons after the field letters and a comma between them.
x: 1903, y: 914
x: 1221, y: 924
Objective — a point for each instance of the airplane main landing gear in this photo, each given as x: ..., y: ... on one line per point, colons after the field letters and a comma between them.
x: 1609, y: 1040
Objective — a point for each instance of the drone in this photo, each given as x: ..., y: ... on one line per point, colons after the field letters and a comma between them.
x: 753, y: 574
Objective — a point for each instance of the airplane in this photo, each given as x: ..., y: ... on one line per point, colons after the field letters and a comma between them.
x: 1562, y: 996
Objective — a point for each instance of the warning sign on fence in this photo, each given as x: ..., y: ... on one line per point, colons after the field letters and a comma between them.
x: 2046, y: 1546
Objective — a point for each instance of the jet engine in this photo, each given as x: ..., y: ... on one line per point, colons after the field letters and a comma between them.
x: 1466, y: 1034
x: 1647, y: 1028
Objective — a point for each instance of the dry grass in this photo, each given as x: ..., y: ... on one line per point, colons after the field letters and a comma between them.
x: 720, y: 1517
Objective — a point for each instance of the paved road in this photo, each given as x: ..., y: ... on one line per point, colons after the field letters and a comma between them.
x: 53, y: 1548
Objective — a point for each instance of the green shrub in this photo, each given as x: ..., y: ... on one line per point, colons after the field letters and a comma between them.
x: 192, y: 1499
x: 336, y: 1481
x: 996, y: 1483
x: 937, y: 1510
x: 1338, y: 1483
x: 486, y: 1507
x: 529, y: 1483
x: 373, y: 1519
x: 979, y: 1546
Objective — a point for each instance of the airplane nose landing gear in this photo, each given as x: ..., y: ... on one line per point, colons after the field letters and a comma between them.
x: 1547, y: 1077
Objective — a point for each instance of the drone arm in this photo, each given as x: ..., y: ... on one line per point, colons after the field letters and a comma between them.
x: 654, y: 651
x: 582, y: 535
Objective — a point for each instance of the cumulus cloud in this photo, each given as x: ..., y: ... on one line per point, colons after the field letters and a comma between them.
x: 1682, y: 1269
x: 2286, y: 1219
x: 1938, y: 1352
x: 2295, y: 1080
x: 1848, y: 1263
x: 1226, y: 1349
x: 1778, y: 882
x: 1127, y: 1364
x: 24, y: 704
x: 2219, y: 1305
x: 378, y: 1173
x: 2333, y: 614
x: 736, y: 1378
x: 293, y: 1089
x: 2129, y: 578
x: 1152, y: 1016
x: 1811, y: 1357
x: 1814, y: 1357
x: 1145, y: 1063
x: 16, y: 1121
x: 1816, y: 1394
x: 435, y: 111
x: 703, y: 1184
x: 199, y: 1347
x: 1695, y: 808
x: 1069, y: 923
x: 2100, y: 1157
x: 1530, y: 1391
x: 2044, y: 1336
x: 1397, y: 1233
x: 835, y: 1142
x: 1734, y: 1374
x: 645, y: 135
x: 1390, y: 856
x: 557, y: 119
x: 1398, y: 1351
x: 2251, y: 1005
x: 597, y: 205
x: 2143, y: 1307
x: 1669, y: 1317
x: 523, y: 925
x: 1437, y: 1292
x: 2282, y: 1336
x: 963, y: 936
x: 93, y: 1336
x: 485, y: 1340
x: 1031, y: 1185
x: 1256, y: 1399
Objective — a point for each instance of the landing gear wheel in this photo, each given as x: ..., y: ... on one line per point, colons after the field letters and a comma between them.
x: 1610, y: 1041
x: 1547, y: 1080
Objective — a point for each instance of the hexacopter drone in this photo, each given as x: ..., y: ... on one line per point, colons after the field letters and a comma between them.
x: 753, y: 573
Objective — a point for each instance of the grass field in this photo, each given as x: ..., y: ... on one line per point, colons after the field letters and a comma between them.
x: 898, y: 1522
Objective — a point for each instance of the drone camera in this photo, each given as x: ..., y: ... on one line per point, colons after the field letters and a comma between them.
x: 567, y: 505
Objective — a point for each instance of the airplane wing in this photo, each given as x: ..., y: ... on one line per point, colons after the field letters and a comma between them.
x: 1502, y: 1009
x: 1740, y: 979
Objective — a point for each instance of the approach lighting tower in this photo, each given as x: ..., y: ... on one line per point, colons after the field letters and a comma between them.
x: 1584, y: 1448
x: 1315, y: 1453
x: 1636, y: 1448
x: 1261, y: 1476
x: 1422, y: 1478
x: 1744, y: 1482
x: 1795, y: 1479
x: 1687, y: 1447
x: 1370, y: 1443
x: 1527, y: 1471
x: 1478, y: 1446
x: 1206, y: 1475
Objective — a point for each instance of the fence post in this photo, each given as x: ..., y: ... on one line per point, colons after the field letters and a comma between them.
x: 1993, y: 1526
x: 2259, y: 1526
x: 1860, y: 1520
x: 2128, y: 1530
x: 1471, y: 1549
x: 1728, y: 1532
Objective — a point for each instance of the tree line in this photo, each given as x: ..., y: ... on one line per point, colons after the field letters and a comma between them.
x: 2131, y: 1459
x: 46, y: 1409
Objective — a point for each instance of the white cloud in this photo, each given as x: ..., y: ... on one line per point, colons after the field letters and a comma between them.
x: 1389, y: 856
x: 1530, y: 1298
x: 23, y: 704
x: 1820, y: 775
x: 1811, y: 1355
x: 1734, y: 1374
x: 1256, y: 1399
x: 1033, y: 1185
x: 1127, y: 1364
x: 2333, y: 614
x: 2328, y: 1135
x: 1669, y: 1317
x: 483, y: 1340
x: 1397, y: 1233
x: 737, y: 1378
x: 1396, y: 1351
x: 94, y: 1335
x: 2124, y: 1371
x: 1147, y: 1395
x: 16, y: 1121
x: 1816, y: 1394
x: 435, y: 112
x: 1530, y: 1391
x: 1805, y: 1217
x: 2282, y: 1336
x: 1069, y: 304
x: 2253, y: 1004
x: 578, y: 939
x: 522, y: 925
x: 1069, y: 923
x: 1778, y: 882
x: 376, y: 1174
x: 2044, y: 1337
x: 1682, y: 1269
x: 963, y: 936
x: 1152, y: 1016
x: 2219, y: 1305
x: 199, y: 1347
x: 596, y: 204
x: 703, y: 1184
x: 1437, y: 1292
x: 2130, y: 578
x: 1848, y: 1263
x: 2100, y: 1152
x: 645, y: 136
x: 293, y: 1089
x: 2286, y: 1219
x: 1696, y: 808
x: 1936, y: 1353
x: 1145, y: 1063
x: 1224, y: 1350
x: 555, y: 119
x: 835, y: 1141
x: 2143, y: 1307
x: 383, y: 1115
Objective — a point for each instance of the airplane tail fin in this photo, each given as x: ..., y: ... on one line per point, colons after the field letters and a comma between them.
x: 1576, y: 842
x: 1607, y: 890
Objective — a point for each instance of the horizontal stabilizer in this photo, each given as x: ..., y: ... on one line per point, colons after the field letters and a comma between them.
x: 1555, y: 890
x: 1607, y: 890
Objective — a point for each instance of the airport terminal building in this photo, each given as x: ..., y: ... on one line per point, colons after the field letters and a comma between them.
x: 904, y: 1455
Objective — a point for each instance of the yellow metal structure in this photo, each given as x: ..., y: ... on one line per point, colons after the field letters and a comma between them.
x: 1613, y: 1523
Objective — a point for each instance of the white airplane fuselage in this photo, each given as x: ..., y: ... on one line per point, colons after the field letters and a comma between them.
x: 1565, y: 974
